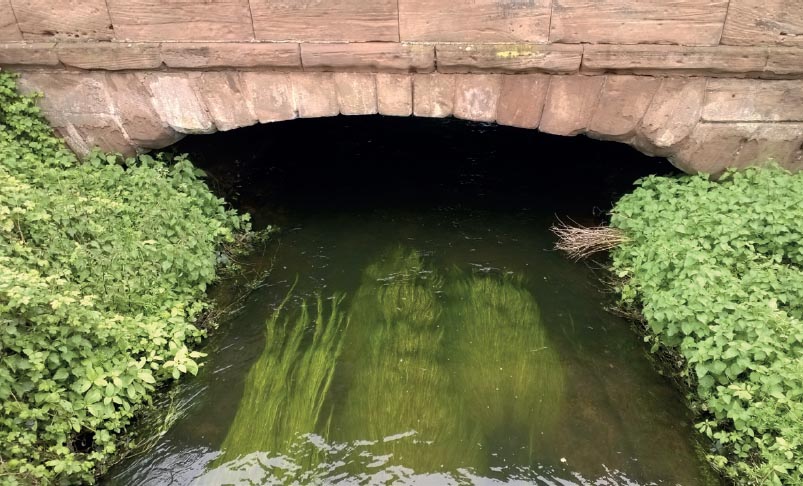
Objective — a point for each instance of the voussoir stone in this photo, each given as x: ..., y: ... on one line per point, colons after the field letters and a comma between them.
x: 112, y: 56
x: 356, y: 93
x: 622, y: 104
x: 132, y: 102
x: 570, y: 104
x: 369, y: 56
x: 753, y: 100
x: 284, y: 56
x: 223, y: 95
x: 508, y: 58
x: 433, y: 94
x: 315, y: 94
x: 270, y: 95
x: 84, y: 132
x: 674, y: 112
x: 477, y: 96
x: 521, y: 100
x: 710, y: 148
x: 394, y: 94
x: 28, y: 54
x: 79, y: 93
x: 177, y: 102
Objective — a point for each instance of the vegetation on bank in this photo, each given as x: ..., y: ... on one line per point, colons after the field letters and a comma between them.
x: 716, y: 270
x: 103, y: 272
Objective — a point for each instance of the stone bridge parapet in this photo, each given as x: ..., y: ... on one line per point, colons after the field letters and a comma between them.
x: 709, y: 83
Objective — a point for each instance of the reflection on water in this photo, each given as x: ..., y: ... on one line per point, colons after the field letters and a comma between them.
x: 432, y: 340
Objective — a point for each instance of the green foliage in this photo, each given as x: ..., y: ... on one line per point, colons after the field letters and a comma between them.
x: 717, y: 267
x: 103, y: 269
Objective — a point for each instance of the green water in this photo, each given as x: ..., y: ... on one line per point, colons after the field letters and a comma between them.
x: 424, y: 342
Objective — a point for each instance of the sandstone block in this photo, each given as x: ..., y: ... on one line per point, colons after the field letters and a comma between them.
x: 111, y: 56
x: 433, y: 95
x: 158, y: 20
x: 622, y: 104
x: 570, y: 104
x: 22, y: 54
x: 270, y: 95
x: 521, y: 100
x: 753, y: 100
x: 369, y: 56
x: 64, y: 20
x: 8, y: 23
x: 477, y: 96
x: 710, y: 148
x: 85, y: 132
x: 658, y: 58
x: 231, y: 55
x: 771, y: 142
x: 326, y: 20
x: 315, y: 94
x: 475, y: 20
x: 674, y: 112
x: 508, y: 58
x: 223, y: 96
x: 356, y: 93
x: 79, y: 93
x: 767, y: 22
x: 178, y: 105
x: 394, y: 94
x: 685, y: 22
x: 784, y: 61
x: 132, y: 102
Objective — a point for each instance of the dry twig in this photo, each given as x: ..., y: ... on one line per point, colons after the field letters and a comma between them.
x: 581, y: 242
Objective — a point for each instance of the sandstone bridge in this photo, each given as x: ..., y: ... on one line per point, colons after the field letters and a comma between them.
x: 708, y: 83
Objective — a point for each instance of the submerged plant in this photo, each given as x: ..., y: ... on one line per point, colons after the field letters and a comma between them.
x: 286, y: 388
x: 401, y: 386
x: 508, y: 375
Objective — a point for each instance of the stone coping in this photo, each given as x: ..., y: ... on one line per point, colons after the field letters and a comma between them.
x: 419, y: 57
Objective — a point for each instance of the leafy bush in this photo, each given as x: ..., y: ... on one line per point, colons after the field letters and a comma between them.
x: 717, y: 267
x: 103, y: 269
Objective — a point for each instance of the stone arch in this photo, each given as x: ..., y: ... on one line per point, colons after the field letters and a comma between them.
x: 701, y: 124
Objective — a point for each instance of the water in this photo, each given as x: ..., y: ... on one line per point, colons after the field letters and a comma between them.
x: 453, y: 346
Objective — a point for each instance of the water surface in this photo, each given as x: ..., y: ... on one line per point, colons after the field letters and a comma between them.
x: 416, y: 327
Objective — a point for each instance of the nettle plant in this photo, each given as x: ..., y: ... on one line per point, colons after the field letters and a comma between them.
x: 717, y: 269
x: 103, y: 272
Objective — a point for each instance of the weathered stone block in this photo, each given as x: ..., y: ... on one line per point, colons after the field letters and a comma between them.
x: 315, y: 94
x: 477, y: 96
x: 132, y: 103
x: 474, y: 20
x: 369, y: 56
x: 784, y: 61
x: 710, y: 148
x: 284, y: 56
x: 64, y: 20
x: 508, y: 58
x: 178, y: 104
x: 356, y: 93
x: 8, y: 23
x: 768, y: 22
x: 223, y: 96
x: 433, y: 94
x: 26, y: 54
x: 674, y: 112
x: 686, y: 59
x: 685, y: 22
x: 85, y: 132
x: 79, y: 93
x: 326, y: 20
x: 570, y: 103
x: 158, y: 20
x: 622, y: 104
x: 394, y: 94
x: 111, y: 56
x: 270, y: 95
x: 753, y: 100
x: 521, y: 100
x: 771, y: 142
